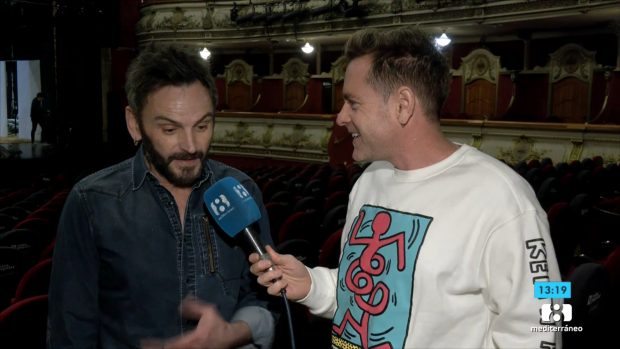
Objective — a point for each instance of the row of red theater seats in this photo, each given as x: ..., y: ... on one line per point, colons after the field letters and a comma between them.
x: 317, y: 188
x: 314, y: 191
x: 26, y: 246
x: 29, y: 241
x: 563, y: 181
x: 28, y: 205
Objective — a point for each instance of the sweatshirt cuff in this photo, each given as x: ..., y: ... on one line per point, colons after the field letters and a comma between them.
x: 321, y: 300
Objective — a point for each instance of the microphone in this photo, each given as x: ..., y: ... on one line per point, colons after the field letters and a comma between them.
x: 234, y: 210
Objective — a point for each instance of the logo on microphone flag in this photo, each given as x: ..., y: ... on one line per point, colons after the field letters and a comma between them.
x: 231, y: 205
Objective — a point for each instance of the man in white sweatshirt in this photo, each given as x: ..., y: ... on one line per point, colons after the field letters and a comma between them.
x: 442, y: 244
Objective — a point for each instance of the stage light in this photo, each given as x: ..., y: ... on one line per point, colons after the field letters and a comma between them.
x: 307, y: 48
x: 205, y: 53
x: 443, y: 40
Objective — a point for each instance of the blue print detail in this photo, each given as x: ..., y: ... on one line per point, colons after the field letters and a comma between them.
x: 376, y: 278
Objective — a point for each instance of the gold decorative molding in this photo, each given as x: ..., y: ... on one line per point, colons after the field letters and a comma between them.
x: 238, y: 70
x: 178, y: 20
x: 576, y: 150
x: 476, y: 140
x: 571, y: 60
x: 301, y: 137
x: 295, y: 70
x: 480, y: 64
x: 569, y: 99
x: 266, y: 139
x: 296, y: 138
x: 522, y: 150
x: 304, y: 137
x: 338, y: 69
x: 240, y: 135
x: 480, y: 71
x: 212, y: 20
x: 517, y: 141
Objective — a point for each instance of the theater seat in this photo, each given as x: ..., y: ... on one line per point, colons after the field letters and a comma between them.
x: 308, y: 203
x: 329, y: 255
x: 612, y: 265
x: 301, y: 225
x: 25, y: 239
x: 283, y: 196
x: 278, y: 212
x: 13, y: 264
x: 35, y: 281
x: 48, y: 251
x: 563, y: 226
x: 18, y: 213
x: 590, y: 306
x: 333, y: 220
x: 24, y: 324
x: 7, y: 222
x: 336, y: 198
x: 38, y: 224
x: 301, y: 249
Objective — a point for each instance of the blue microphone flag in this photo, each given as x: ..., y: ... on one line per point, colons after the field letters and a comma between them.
x: 231, y: 205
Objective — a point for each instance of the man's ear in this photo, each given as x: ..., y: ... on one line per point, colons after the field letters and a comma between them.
x: 406, y: 105
x: 132, y: 125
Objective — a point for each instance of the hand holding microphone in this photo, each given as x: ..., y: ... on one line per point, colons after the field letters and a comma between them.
x: 234, y: 210
x: 289, y: 274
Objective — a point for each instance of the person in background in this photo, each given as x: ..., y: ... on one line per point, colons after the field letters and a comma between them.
x: 442, y: 243
x: 137, y: 260
x: 38, y: 114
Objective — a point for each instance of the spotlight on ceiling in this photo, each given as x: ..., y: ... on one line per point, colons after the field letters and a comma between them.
x: 307, y: 48
x: 443, y: 40
x: 205, y: 53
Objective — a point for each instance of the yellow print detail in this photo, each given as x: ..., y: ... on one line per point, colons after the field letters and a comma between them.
x: 343, y: 344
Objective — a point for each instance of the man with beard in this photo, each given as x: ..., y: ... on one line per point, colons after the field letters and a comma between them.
x: 137, y: 261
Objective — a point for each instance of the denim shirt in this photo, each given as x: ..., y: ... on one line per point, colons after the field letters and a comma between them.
x: 123, y: 262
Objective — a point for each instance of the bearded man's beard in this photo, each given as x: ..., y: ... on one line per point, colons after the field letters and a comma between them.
x: 184, y: 177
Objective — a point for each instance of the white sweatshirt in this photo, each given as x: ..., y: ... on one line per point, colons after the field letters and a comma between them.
x: 441, y: 257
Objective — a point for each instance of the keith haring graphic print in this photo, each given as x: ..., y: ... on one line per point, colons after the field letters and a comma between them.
x: 375, y: 279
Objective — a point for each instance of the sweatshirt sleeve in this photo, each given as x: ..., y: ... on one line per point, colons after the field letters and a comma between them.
x: 517, y: 254
x: 321, y: 300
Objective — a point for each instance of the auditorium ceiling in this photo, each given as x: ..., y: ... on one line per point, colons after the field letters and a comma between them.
x: 280, y: 24
x: 328, y: 22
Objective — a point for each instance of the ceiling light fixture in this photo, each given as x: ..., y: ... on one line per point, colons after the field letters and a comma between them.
x: 307, y: 48
x: 443, y: 40
x: 205, y: 53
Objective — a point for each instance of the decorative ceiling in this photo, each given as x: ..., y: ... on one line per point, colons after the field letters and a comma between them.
x: 266, y: 23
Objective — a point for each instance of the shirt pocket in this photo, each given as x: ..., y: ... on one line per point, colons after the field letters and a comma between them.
x: 223, y: 259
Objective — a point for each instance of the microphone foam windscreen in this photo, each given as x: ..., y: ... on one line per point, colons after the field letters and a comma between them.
x: 231, y: 205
